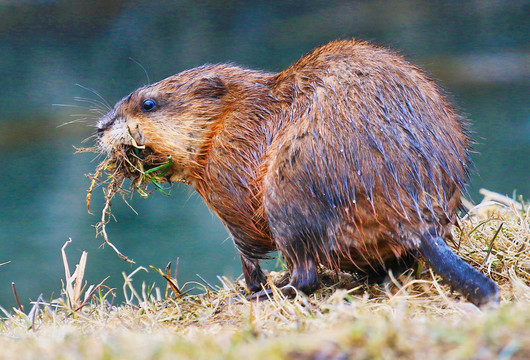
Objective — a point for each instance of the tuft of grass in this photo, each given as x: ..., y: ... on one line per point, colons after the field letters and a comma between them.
x: 494, y: 236
x: 73, y: 286
x: 411, y: 315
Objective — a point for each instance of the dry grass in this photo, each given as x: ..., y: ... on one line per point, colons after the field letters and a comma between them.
x: 132, y: 162
x: 410, y: 316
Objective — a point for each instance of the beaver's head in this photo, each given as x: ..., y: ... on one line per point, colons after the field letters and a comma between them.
x: 175, y: 117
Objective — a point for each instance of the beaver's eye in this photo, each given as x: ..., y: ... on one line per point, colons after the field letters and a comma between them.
x: 148, y: 105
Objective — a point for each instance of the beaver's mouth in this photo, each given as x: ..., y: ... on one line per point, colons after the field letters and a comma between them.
x: 141, y: 165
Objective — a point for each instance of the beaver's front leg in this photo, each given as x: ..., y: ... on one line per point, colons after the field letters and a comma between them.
x: 253, y: 274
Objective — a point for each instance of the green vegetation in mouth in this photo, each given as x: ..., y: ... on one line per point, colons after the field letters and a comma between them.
x: 154, y: 176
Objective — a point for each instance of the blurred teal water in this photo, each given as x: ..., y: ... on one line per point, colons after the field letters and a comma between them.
x: 478, y: 50
x: 43, y: 204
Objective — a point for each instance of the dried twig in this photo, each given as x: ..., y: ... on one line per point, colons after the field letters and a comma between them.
x: 171, y: 282
x: 20, y: 307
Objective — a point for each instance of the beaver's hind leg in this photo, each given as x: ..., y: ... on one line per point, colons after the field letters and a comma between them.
x: 302, y: 267
x: 301, y: 238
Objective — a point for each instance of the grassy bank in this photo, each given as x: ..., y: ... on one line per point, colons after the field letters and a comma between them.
x: 412, y: 315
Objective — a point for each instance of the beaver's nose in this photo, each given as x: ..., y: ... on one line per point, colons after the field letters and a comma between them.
x: 102, y: 127
x: 105, y: 123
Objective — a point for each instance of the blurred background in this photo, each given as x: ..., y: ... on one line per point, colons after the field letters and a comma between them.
x: 477, y: 50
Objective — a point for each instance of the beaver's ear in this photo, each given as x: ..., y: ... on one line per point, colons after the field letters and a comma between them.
x: 212, y: 87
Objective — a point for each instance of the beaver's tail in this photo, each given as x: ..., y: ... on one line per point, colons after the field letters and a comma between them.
x: 461, y: 276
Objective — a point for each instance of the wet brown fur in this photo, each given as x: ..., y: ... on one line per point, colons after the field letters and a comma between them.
x: 343, y: 159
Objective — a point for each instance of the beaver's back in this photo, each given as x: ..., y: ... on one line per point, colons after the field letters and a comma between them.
x: 370, y: 144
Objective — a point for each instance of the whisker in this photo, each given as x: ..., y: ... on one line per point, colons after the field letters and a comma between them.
x: 145, y: 71
x: 81, y: 118
x: 88, y: 138
x: 70, y: 105
x: 86, y: 116
x: 71, y: 122
x: 98, y: 156
x: 91, y: 109
x: 105, y: 102
x: 96, y: 104
x: 97, y: 112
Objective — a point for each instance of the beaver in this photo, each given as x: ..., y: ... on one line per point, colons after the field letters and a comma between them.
x: 351, y: 158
